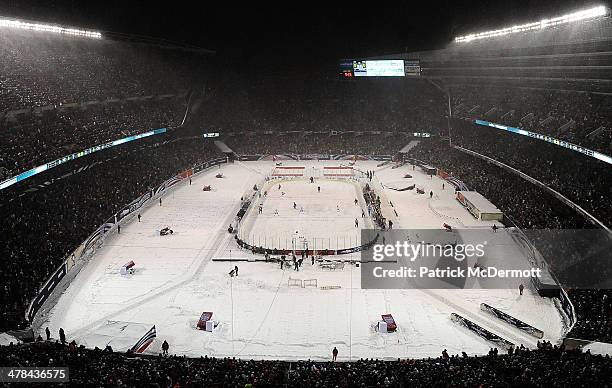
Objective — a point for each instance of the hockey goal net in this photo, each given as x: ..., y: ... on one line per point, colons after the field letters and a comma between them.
x: 310, y: 283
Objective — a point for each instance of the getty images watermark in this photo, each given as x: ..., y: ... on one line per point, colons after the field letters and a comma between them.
x: 457, y: 259
x: 433, y: 251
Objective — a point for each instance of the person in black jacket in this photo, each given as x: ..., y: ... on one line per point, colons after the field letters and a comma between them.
x: 62, y: 335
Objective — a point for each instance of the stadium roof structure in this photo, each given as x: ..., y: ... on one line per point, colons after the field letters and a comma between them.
x: 51, y: 28
x: 572, y: 55
x: 586, y: 14
x: 160, y: 42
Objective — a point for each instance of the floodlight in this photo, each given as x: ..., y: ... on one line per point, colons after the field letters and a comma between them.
x: 13, y: 23
x: 542, y: 24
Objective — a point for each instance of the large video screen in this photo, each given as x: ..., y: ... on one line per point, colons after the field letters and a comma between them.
x: 372, y: 68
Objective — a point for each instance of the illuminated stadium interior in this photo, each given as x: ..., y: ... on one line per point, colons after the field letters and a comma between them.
x: 200, y: 195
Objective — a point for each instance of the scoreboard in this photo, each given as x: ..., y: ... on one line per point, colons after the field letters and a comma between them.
x: 379, y: 68
x: 412, y: 67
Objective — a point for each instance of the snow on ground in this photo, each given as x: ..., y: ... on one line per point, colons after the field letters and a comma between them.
x: 279, y: 222
x: 260, y: 315
x: 7, y: 339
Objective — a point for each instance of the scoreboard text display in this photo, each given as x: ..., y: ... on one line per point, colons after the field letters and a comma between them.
x: 372, y: 68
x: 386, y: 68
x: 379, y: 68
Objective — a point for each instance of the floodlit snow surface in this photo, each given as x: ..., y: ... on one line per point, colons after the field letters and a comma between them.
x: 281, y: 222
x: 260, y: 316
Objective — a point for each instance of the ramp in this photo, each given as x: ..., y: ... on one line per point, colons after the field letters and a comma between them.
x: 512, y: 321
x: 121, y: 336
x: 482, y: 332
x: 400, y: 185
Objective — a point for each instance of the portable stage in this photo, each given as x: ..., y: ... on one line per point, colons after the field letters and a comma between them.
x: 479, y: 206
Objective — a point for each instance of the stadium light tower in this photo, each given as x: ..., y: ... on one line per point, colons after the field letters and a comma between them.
x: 50, y: 28
x: 586, y: 14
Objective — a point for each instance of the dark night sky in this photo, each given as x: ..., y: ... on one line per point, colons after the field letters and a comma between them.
x: 344, y: 30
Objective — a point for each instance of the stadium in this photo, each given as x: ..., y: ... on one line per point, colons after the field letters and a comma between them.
x: 434, y: 213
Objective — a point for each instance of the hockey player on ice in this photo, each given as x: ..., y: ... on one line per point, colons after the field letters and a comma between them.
x: 356, y: 223
x: 338, y: 208
x: 294, y: 205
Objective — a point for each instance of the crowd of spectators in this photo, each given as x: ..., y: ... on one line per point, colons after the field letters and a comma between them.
x: 32, y: 139
x: 105, y: 368
x: 319, y: 102
x: 61, y: 94
x: 594, y: 314
x: 547, y: 366
x: 579, y: 258
x: 526, y: 204
x: 48, y: 221
x: 544, y: 367
x: 553, y: 81
x: 321, y: 143
x: 581, y: 178
x: 530, y: 207
x: 39, y: 69
x: 578, y: 117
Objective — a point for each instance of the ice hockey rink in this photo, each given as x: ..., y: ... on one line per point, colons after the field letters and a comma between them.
x: 177, y: 277
x: 316, y: 205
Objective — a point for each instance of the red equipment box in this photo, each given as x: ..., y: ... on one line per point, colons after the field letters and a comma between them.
x: 206, y: 316
x: 388, y: 318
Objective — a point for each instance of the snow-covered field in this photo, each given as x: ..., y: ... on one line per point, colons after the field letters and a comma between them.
x: 280, y: 223
x: 260, y: 316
